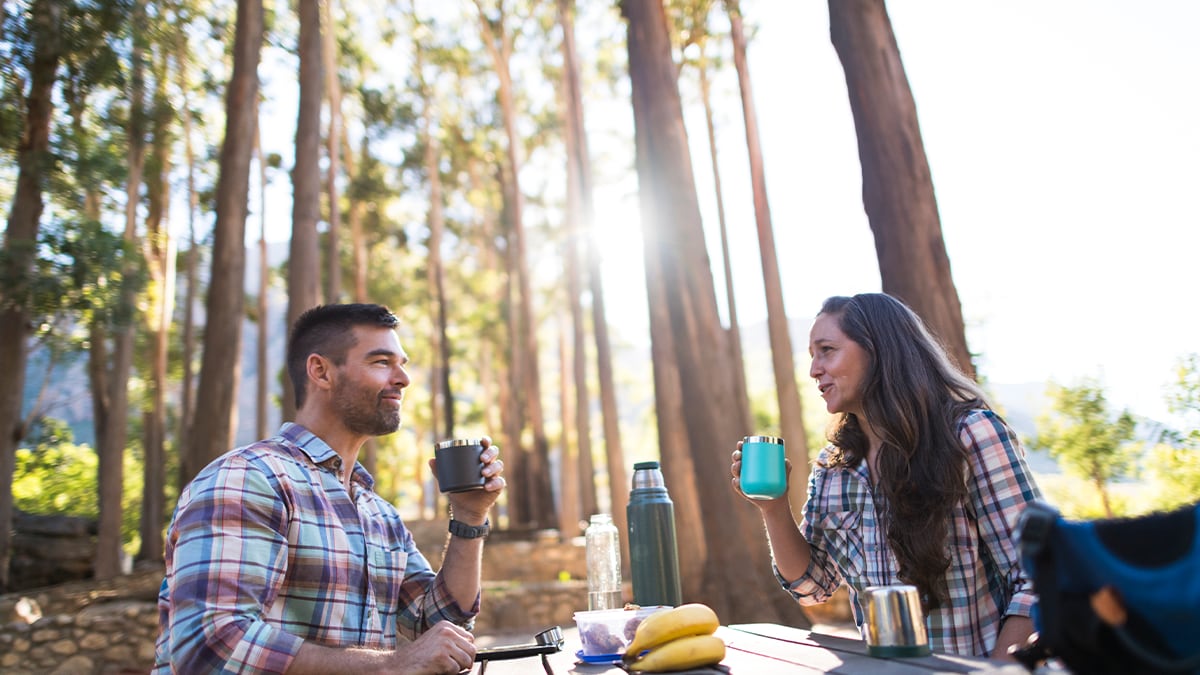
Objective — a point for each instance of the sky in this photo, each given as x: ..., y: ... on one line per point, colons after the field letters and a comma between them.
x: 1064, y: 144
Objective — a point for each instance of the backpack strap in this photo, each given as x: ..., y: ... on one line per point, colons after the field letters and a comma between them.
x: 1033, y: 534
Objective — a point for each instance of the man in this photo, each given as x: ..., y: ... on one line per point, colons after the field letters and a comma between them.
x: 280, y: 556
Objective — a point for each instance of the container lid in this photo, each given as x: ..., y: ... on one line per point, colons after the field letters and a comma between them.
x: 457, y: 442
x: 640, y: 466
x: 774, y: 440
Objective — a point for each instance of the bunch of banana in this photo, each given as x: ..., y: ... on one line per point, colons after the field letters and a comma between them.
x: 677, y: 639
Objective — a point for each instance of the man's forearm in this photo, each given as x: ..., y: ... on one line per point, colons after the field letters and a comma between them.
x: 313, y: 659
x: 462, y: 565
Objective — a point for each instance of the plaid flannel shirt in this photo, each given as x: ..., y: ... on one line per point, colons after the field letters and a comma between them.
x: 985, y: 580
x: 267, y: 549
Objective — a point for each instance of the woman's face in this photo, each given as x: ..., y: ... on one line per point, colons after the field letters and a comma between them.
x: 839, y: 365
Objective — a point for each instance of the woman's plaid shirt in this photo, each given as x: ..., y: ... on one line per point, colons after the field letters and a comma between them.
x: 985, y: 579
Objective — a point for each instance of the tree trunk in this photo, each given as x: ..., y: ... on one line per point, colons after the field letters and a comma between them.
x: 897, y: 186
x: 541, y: 503
x: 584, y: 472
x: 110, y: 445
x: 213, y: 431
x: 304, y: 259
x: 263, y: 381
x: 191, y: 264
x: 735, y: 330
x: 568, y: 492
x: 677, y: 261
x: 160, y: 254
x: 618, y: 477
x: 20, y: 240
x: 333, y: 144
x: 791, y: 412
x: 441, y: 399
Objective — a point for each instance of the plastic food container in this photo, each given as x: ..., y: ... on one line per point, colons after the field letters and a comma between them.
x: 606, y: 632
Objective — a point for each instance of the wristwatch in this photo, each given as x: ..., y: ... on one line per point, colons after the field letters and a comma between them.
x: 464, y: 531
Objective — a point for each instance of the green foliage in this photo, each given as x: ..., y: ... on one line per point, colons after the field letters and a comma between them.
x: 1175, y: 475
x: 1081, y: 433
x: 1184, y: 400
x: 57, y: 477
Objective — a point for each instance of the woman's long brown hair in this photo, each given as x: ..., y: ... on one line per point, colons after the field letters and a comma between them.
x: 913, y: 398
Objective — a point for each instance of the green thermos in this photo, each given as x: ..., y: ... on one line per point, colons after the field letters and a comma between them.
x: 653, y: 552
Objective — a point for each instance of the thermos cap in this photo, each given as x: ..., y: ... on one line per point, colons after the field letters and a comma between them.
x: 645, y: 465
x: 773, y: 440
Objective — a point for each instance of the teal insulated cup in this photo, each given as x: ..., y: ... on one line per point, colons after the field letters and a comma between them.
x: 764, y: 475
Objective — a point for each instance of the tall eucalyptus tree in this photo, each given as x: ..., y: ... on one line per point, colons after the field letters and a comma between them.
x: 212, y: 429
x: 699, y: 379
x: 897, y: 184
x: 692, y: 18
x: 534, y: 470
x: 330, y: 56
x: 20, y: 239
x: 791, y: 414
x: 304, y: 255
x: 579, y: 481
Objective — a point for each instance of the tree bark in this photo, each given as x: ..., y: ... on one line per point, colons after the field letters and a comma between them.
x: 735, y: 330
x: 262, y: 395
x: 304, y: 257
x: 614, y: 452
x: 498, y: 42
x: 20, y: 239
x: 213, y: 429
x: 897, y: 185
x: 191, y: 264
x: 441, y: 398
x: 333, y: 144
x: 582, y: 469
x: 791, y: 412
x: 113, y: 432
x: 677, y: 261
x: 160, y: 254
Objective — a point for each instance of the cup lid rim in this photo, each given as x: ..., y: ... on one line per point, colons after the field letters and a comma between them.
x: 456, y: 442
x: 763, y: 439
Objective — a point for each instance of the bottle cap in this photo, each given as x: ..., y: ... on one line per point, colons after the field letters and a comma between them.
x: 645, y: 465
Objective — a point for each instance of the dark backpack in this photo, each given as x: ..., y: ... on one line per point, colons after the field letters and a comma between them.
x: 1114, y: 596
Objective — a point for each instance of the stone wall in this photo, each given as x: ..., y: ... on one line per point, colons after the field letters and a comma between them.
x: 91, y: 627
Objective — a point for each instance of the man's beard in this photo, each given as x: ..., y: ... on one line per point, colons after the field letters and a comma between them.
x: 362, y: 413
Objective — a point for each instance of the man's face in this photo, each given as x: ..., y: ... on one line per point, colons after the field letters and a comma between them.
x: 370, y: 384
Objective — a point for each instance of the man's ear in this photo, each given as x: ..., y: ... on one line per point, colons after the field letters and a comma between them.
x: 320, y: 371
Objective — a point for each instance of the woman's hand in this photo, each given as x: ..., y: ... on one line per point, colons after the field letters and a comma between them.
x: 735, y: 470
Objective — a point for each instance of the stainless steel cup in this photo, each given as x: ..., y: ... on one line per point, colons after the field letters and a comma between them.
x: 458, y: 466
x: 895, y: 622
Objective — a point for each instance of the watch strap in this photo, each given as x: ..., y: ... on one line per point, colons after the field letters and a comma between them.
x: 465, y: 531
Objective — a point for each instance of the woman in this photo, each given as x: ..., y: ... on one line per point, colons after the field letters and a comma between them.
x: 922, y: 483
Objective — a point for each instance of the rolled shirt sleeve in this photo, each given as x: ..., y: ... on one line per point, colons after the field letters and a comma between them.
x: 228, y: 563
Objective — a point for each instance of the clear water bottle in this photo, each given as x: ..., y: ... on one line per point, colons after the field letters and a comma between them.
x: 603, y: 563
x: 653, y: 551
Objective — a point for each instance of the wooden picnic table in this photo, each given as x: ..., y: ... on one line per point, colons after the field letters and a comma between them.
x: 769, y: 649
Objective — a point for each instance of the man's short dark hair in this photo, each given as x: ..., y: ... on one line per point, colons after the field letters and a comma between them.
x: 328, y: 330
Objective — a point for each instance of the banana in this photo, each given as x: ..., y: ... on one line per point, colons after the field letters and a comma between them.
x: 682, y: 654
x: 672, y: 624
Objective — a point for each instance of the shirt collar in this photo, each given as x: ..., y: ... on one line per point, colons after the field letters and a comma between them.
x: 320, y: 453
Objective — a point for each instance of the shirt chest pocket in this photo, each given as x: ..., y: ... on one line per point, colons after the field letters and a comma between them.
x: 840, y: 537
x: 386, y: 567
